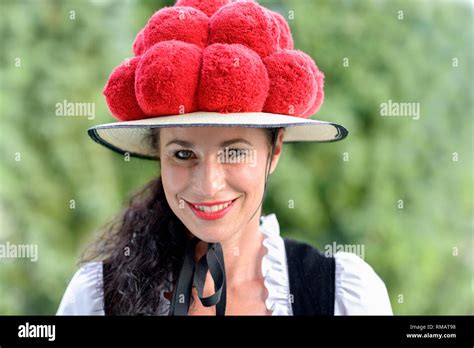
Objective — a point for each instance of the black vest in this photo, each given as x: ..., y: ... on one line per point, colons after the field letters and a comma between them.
x: 312, y: 279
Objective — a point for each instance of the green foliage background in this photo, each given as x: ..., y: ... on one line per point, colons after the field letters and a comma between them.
x: 423, y: 252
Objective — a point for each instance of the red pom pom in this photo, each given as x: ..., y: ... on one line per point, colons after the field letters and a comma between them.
x: 119, y: 92
x: 233, y: 79
x: 177, y: 23
x: 286, y: 40
x: 209, y: 7
x: 318, y: 98
x: 245, y: 23
x: 167, y: 78
x: 138, y: 44
x: 292, y: 84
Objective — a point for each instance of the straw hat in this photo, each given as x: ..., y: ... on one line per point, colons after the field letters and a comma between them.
x: 213, y: 63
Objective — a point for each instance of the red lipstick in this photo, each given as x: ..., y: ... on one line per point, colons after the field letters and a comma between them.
x: 211, y: 215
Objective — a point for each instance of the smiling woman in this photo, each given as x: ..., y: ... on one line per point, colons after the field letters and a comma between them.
x: 193, y: 241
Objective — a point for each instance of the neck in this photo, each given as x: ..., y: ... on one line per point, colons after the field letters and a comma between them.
x: 242, y: 253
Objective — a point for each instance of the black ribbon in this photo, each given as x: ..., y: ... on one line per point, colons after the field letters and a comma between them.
x: 195, y: 273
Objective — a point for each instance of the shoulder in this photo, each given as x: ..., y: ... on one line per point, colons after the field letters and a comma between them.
x: 304, y: 253
x: 359, y: 290
x: 84, y: 293
x: 354, y: 287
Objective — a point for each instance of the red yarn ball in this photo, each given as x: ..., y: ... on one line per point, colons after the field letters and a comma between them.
x: 167, y: 78
x: 119, y: 92
x: 209, y: 7
x: 177, y: 23
x: 286, y: 40
x: 292, y: 84
x: 318, y: 98
x: 233, y: 79
x: 245, y: 23
x: 138, y: 44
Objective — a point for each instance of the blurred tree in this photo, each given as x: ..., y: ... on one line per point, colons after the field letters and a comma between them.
x: 400, y: 187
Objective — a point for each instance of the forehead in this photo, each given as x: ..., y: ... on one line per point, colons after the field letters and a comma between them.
x: 211, y: 135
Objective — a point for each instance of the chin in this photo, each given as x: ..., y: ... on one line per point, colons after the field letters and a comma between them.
x: 211, y: 236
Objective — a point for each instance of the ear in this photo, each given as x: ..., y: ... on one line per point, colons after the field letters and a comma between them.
x: 278, y: 149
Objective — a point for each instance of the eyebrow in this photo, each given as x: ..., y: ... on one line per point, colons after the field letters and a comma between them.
x: 223, y: 144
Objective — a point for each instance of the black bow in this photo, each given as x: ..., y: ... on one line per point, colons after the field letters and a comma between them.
x: 195, y: 273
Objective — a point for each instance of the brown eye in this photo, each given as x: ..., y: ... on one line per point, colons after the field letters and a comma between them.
x: 183, y: 154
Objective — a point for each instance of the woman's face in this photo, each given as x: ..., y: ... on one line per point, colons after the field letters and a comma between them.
x: 202, y: 166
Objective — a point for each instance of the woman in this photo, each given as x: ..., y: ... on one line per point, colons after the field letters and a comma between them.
x: 193, y: 241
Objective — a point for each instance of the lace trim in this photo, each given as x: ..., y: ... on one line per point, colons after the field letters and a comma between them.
x: 275, y: 268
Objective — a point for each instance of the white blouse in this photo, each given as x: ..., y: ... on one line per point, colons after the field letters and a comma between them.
x: 358, y: 289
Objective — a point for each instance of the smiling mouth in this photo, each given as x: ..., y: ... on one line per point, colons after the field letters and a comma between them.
x: 212, y: 207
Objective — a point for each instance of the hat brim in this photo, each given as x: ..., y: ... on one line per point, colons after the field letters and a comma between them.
x: 133, y: 137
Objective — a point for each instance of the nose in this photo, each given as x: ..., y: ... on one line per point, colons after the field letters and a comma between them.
x: 209, y: 177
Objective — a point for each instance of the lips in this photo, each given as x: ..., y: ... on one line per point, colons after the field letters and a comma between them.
x: 212, y: 211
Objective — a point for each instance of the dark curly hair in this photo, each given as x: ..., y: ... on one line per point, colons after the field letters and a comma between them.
x: 141, y: 246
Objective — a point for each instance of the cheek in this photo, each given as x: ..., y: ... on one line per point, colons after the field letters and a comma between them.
x: 247, y: 178
x: 174, y: 180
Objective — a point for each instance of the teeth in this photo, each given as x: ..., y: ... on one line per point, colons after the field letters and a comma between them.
x: 213, y: 208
